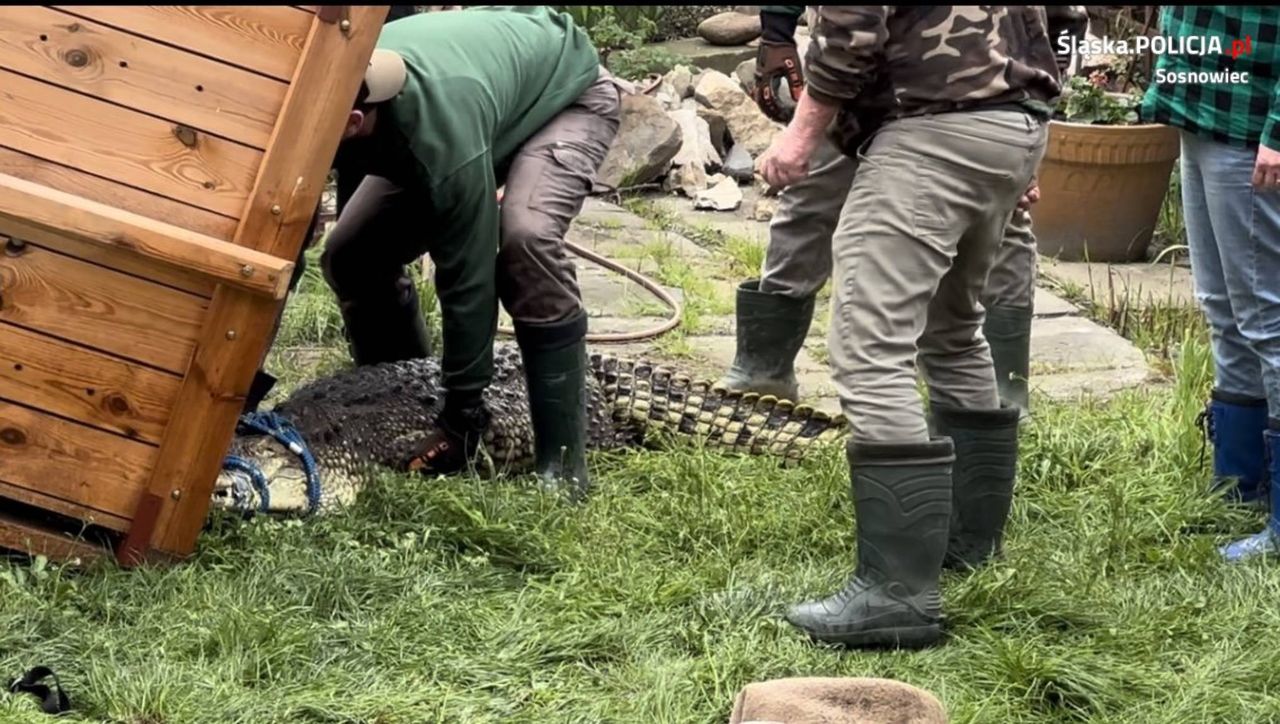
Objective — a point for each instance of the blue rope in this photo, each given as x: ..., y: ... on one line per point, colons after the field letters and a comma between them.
x: 269, y: 423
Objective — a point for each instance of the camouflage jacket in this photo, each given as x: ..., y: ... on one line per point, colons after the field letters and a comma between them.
x: 880, y: 62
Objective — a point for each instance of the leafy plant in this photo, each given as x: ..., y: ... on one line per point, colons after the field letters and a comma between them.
x: 619, y: 33
x: 1088, y: 101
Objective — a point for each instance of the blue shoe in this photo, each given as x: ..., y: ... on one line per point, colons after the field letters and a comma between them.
x: 1235, y: 427
x: 1267, y: 542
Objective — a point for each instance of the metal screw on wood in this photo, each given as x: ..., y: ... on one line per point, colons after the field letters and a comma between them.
x: 246, y: 271
x: 345, y: 25
x: 176, y: 494
x: 275, y: 210
x: 14, y: 247
x: 231, y: 334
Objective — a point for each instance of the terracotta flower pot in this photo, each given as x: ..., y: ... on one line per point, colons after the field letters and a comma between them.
x: 1101, y: 188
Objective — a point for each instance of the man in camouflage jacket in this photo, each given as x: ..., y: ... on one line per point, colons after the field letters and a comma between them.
x: 774, y: 311
x: 946, y: 110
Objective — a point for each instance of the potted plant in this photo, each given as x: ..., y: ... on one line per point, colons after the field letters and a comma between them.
x: 1104, y: 176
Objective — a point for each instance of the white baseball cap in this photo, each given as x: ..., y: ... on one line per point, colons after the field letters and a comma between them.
x: 385, y: 76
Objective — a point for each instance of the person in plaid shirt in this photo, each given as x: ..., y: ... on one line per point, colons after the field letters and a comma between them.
x: 1228, y: 111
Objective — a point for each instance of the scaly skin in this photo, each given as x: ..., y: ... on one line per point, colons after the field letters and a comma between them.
x: 375, y: 417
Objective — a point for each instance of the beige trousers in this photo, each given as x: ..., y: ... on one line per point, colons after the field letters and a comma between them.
x: 918, y: 234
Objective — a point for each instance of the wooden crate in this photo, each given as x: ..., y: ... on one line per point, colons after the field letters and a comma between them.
x: 159, y: 166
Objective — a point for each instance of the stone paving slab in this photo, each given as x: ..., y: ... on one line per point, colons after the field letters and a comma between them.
x: 1071, y: 355
x: 1161, y: 283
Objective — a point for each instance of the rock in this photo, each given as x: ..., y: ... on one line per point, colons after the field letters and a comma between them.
x: 739, y: 166
x: 730, y: 28
x: 696, y: 146
x: 746, y: 75
x: 689, y: 180
x: 668, y: 96
x: 719, y: 128
x: 765, y: 209
x: 696, y: 155
x: 724, y: 196
x: 747, y: 125
x: 747, y: 9
x: 681, y: 80
x: 647, y: 140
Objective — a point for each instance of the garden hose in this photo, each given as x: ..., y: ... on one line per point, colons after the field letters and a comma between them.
x: 616, y: 338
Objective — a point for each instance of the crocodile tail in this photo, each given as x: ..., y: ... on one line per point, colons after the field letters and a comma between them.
x: 650, y: 402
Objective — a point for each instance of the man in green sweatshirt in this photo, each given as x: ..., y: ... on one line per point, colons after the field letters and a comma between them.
x: 454, y: 106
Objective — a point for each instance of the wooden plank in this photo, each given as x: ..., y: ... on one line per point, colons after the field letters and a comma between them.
x: 106, y: 256
x: 118, y: 143
x: 72, y: 215
x: 86, y: 386
x: 267, y: 39
x: 16, y: 534
x: 78, y: 464
x: 30, y: 497
x: 322, y: 92
x: 99, y: 308
x: 200, y: 431
x: 137, y: 73
x: 125, y: 198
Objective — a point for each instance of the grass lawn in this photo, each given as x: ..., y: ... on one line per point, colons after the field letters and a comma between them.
x: 655, y: 602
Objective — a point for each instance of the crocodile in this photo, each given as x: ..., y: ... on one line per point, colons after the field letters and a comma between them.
x: 347, y: 427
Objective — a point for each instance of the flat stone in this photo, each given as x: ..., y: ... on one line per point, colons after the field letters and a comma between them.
x: 1076, y: 386
x: 646, y: 142
x: 739, y: 165
x: 1076, y: 344
x: 1048, y: 304
x: 729, y: 29
x: 705, y: 55
x: 1142, y: 284
x: 724, y: 196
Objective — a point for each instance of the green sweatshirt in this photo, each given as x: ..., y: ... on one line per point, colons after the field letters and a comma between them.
x: 480, y: 82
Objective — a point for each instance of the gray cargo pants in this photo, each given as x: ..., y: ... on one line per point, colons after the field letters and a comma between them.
x: 382, y: 228
x: 917, y: 236
x: 797, y: 261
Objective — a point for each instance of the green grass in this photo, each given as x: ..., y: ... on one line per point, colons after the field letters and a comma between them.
x: 660, y: 598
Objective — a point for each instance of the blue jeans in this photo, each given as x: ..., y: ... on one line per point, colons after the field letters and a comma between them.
x: 1234, y: 234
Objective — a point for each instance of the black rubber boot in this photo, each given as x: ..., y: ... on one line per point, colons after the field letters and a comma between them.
x: 771, y: 330
x: 986, y: 443
x: 1008, y: 331
x: 902, y: 500
x: 386, y: 332
x: 555, y: 367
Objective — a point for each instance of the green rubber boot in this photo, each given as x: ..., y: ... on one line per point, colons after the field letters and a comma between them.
x: 555, y: 367
x: 902, y: 500
x: 1008, y: 331
x: 986, y: 443
x: 387, y: 330
x: 771, y: 330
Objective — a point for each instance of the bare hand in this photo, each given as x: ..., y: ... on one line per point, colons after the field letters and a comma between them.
x: 786, y: 161
x: 1030, y: 196
x: 1266, y: 170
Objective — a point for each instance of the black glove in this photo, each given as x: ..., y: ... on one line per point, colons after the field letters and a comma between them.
x: 777, y: 60
x: 448, y: 449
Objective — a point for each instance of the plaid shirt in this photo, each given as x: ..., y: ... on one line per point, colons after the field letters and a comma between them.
x: 1239, y: 114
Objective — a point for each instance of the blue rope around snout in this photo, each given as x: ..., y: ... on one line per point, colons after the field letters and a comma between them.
x: 269, y: 423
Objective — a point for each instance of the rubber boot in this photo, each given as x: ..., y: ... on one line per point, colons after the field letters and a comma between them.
x: 386, y: 332
x: 902, y: 500
x: 986, y: 443
x: 1235, y: 427
x: 555, y: 366
x: 1266, y: 542
x: 771, y: 330
x: 1008, y: 331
